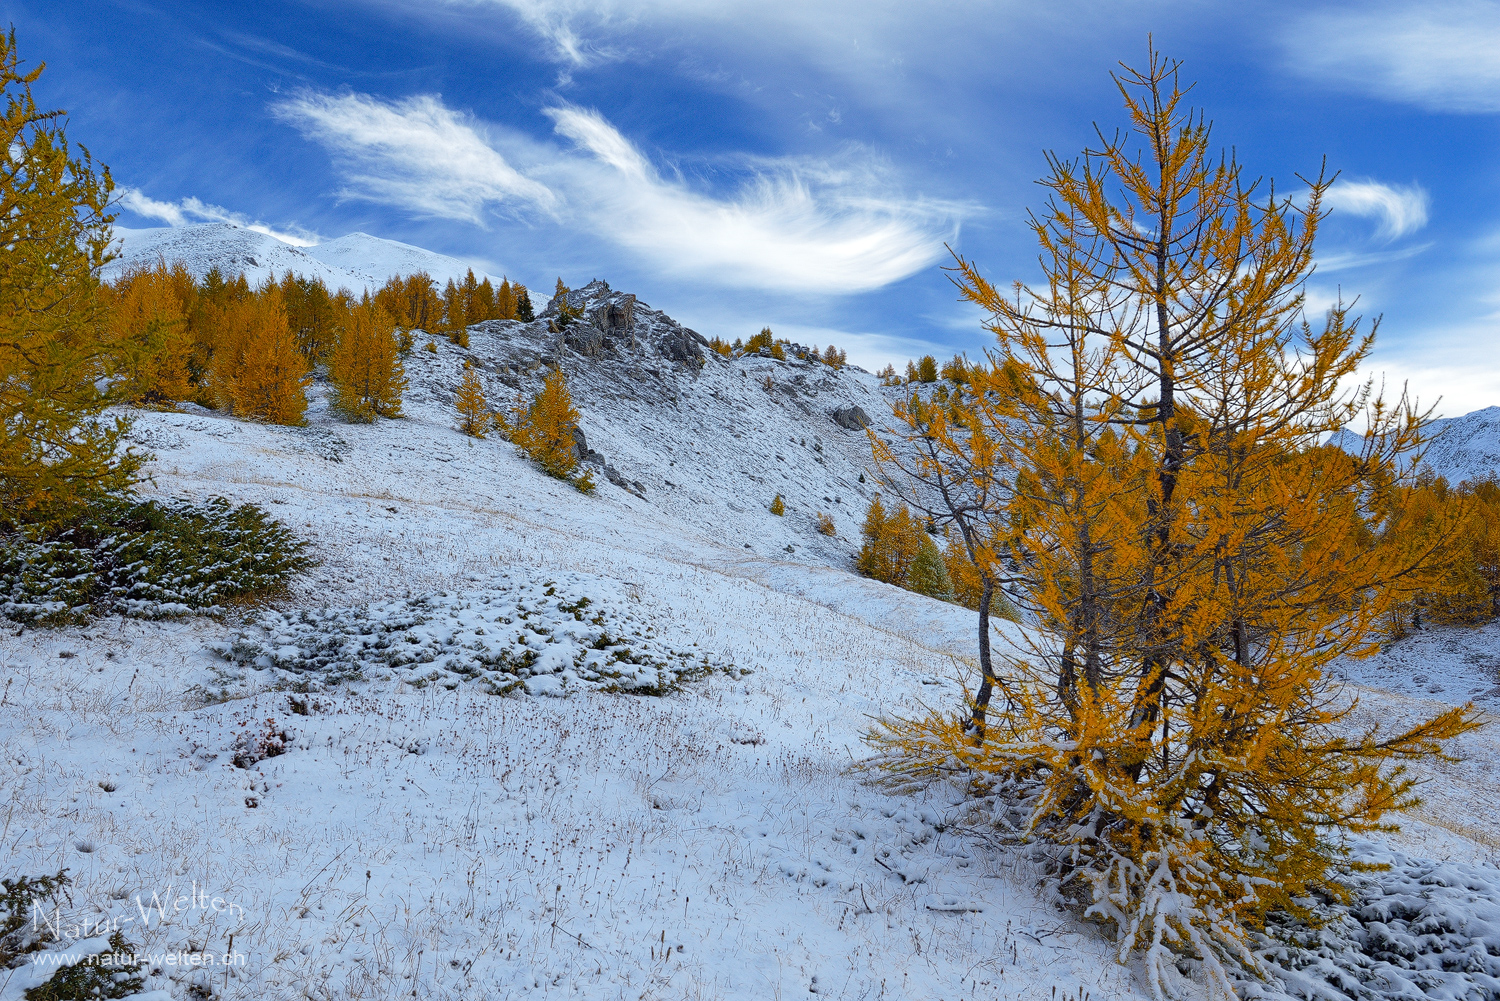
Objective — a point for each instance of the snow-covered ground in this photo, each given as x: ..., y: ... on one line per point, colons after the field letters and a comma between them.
x: 447, y: 842
x: 411, y: 833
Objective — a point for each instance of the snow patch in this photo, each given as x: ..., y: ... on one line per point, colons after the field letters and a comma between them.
x: 547, y: 637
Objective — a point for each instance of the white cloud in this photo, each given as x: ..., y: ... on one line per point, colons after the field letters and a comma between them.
x: 1442, y: 55
x: 190, y: 210
x: 791, y: 226
x: 415, y: 153
x: 1401, y: 209
x: 812, y: 226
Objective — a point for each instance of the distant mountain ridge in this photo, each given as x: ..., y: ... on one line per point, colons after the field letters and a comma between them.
x: 1458, y: 448
x: 356, y: 261
x: 1465, y: 448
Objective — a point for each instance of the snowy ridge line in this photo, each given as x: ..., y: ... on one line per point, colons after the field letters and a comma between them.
x: 538, y: 637
x: 355, y: 261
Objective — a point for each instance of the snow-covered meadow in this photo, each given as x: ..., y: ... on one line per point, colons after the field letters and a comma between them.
x: 443, y: 841
x: 383, y: 825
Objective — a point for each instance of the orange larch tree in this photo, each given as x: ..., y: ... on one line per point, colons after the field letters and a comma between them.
x: 1147, y: 437
x: 258, y: 370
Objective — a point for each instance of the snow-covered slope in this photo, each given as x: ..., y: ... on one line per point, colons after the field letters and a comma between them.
x: 432, y: 838
x: 355, y: 262
x: 712, y: 441
x: 419, y: 835
x: 371, y: 260
x: 1467, y: 447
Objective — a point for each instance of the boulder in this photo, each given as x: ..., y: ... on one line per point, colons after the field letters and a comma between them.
x: 851, y: 418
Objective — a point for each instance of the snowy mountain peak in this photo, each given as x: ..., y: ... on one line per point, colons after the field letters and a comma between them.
x: 355, y: 261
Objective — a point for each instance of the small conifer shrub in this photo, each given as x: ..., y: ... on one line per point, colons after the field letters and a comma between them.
x: 764, y: 339
x: 23, y: 896
x: 473, y: 418
x: 778, y: 506
x: 432, y: 347
x: 778, y: 352
x: 927, y: 369
x: 146, y: 559
x: 104, y: 975
x: 826, y: 525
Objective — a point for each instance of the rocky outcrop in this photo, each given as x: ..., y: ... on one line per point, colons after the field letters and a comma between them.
x: 851, y: 418
x: 586, y: 340
x: 683, y: 345
x: 615, y: 317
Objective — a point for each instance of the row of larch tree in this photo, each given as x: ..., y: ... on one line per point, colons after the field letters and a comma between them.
x: 1140, y: 464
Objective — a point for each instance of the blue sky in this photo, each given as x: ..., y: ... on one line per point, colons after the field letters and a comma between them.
x: 799, y: 164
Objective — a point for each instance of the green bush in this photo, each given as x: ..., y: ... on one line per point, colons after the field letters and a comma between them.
x: 19, y: 934
x: 147, y: 559
x: 98, y: 976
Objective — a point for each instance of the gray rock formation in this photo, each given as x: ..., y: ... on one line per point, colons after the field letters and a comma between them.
x: 683, y: 345
x: 851, y: 418
x: 586, y: 340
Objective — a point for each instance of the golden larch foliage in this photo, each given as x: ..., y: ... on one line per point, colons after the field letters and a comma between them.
x: 258, y: 370
x: 473, y: 417
x: 453, y: 310
x: 365, y: 368
x: 1142, y: 461
x: 312, y: 314
x: 891, y: 544
x: 505, y: 301
x: 149, y: 335
x: 55, y: 234
x: 544, y: 429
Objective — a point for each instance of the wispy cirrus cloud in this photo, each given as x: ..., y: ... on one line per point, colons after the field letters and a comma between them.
x: 1442, y: 55
x: 189, y: 211
x: 836, y: 225
x: 415, y: 153
x: 1399, y: 208
x: 808, y: 226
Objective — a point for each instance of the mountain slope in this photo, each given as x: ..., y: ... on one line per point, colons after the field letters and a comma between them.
x: 421, y: 837
x: 357, y: 261
x: 1467, y: 447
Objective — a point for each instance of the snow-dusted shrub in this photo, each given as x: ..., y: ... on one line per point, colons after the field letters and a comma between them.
x: 254, y: 746
x: 544, y: 638
x: 104, y: 974
x: 147, y: 559
x: 19, y: 934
